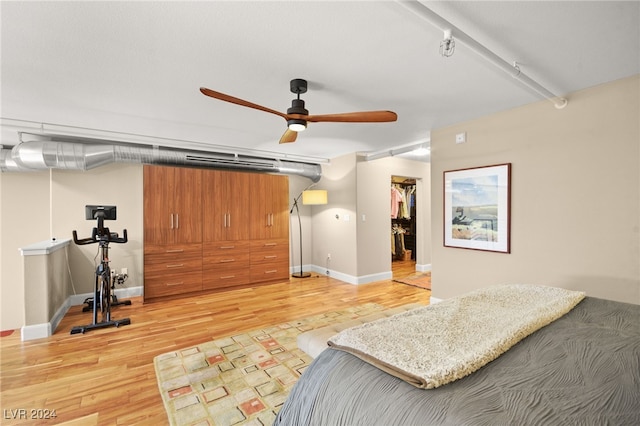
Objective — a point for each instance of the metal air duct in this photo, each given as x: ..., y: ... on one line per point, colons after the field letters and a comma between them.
x: 42, y: 155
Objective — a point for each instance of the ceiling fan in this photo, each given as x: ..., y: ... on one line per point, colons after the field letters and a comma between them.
x: 297, y: 116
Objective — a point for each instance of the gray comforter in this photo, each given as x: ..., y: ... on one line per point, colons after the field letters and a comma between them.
x: 582, y: 369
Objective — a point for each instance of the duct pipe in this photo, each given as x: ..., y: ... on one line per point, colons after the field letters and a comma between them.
x: 41, y: 155
x: 511, y: 69
x: 8, y: 165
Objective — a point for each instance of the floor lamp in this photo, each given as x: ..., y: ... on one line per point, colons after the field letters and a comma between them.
x: 309, y: 197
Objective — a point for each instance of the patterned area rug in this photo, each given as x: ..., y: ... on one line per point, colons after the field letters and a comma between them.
x: 421, y: 279
x: 241, y: 379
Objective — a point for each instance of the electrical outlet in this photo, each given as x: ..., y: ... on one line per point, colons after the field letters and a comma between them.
x: 328, y: 256
x: 124, y: 271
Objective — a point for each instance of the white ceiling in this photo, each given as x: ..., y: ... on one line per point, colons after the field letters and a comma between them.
x: 136, y: 67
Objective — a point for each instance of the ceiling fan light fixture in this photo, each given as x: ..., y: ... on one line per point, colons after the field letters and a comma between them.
x: 297, y: 125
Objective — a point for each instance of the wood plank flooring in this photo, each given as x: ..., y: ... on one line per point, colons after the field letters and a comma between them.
x: 107, y: 375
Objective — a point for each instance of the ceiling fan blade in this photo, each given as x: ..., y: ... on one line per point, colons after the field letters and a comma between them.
x: 238, y: 101
x: 289, y: 136
x: 355, y: 117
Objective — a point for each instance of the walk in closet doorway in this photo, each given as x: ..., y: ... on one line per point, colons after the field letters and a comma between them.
x: 404, y: 226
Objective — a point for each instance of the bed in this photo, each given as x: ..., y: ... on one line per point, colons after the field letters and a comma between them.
x: 582, y: 368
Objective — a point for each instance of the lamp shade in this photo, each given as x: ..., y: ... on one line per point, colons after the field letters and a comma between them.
x: 316, y: 196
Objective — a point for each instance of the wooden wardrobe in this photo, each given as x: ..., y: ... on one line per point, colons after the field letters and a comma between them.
x: 211, y: 229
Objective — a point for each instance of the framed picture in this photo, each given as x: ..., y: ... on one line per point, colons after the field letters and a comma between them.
x: 477, y: 208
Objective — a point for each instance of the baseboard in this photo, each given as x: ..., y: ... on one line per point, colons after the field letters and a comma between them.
x: 305, y: 268
x: 433, y: 300
x: 130, y: 292
x: 39, y: 331
x: 423, y: 268
x: 121, y: 293
x: 60, y: 313
x: 351, y: 279
x: 365, y: 279
x: 35, y: 331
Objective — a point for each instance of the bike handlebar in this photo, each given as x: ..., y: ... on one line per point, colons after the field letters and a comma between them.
x: 109, y: 237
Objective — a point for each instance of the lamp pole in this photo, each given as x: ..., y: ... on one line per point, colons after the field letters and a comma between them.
x: 295, y: 205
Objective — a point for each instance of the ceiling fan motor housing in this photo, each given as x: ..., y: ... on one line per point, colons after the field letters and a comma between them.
x: 297, y: 107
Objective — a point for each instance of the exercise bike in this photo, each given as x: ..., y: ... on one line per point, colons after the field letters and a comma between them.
x: 102, y: 299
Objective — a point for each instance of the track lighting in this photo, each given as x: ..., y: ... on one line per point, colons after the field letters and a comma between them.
x: 448, y: 45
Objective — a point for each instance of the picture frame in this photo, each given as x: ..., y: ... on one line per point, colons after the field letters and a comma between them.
x: 477, y: 208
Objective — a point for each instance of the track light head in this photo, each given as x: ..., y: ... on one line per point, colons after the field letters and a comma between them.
x: 448, y: 45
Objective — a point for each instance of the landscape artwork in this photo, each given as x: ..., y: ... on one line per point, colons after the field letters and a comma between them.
x: 476, y: 208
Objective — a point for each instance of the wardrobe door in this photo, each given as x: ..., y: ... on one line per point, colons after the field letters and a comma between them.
x: 188, y: 205
x: 225, y: 205
x: 239, y: 195
x: 172, y: 231
x: 158, y: 186
x: 269, y: 207
x: 280, y: 207
x: 214, y: 206
x: 172, y: 205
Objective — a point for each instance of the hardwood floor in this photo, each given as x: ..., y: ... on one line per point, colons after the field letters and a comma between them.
x: 108, y: 374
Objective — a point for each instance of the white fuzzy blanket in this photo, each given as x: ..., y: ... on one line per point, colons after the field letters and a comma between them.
x: 435, y: 345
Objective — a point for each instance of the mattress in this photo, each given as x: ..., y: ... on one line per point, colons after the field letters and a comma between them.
x: 583, y: 368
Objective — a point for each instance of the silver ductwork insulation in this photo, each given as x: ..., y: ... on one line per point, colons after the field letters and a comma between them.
x: 42, y: 155
x: 7, y: 164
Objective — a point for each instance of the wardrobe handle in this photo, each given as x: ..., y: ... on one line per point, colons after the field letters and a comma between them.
x: 171, y: 220
x: 179, y: 283
x: 225, y: 221
x: 177, y: 265
x: 174, y: 251
x: 229, y: 219
x: 177, y: 221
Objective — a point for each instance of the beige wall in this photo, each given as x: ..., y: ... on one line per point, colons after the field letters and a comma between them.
x: 24, y: 220
x: 575, y: 195
x: 47, y: 285
x: 360, y: 249
x: 115, y: 184
x: 42, y: 205
x: 374, y: 242
x: 331, y: 235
